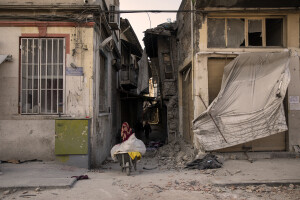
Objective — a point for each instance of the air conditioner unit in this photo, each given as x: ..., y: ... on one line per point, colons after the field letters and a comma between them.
x: 114, y: 18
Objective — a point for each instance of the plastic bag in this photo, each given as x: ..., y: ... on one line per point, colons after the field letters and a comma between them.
x: 131, y: 145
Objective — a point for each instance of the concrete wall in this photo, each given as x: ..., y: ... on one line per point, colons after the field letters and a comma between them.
x: 18, y: 132
x: 169, y: 86
x: 27, y: 139
x: 105, y: 123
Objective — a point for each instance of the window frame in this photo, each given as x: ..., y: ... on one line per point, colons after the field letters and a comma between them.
x: 39, y: 66
x: 166, y: 63
x: 105, y: 106
x: 246, y: 22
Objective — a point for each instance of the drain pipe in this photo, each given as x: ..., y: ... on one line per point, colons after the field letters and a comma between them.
x: 192, y: 45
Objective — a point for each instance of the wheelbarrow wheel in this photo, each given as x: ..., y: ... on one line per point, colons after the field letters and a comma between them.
x: 127, y: 168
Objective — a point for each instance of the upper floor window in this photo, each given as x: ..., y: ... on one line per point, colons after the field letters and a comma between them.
x: 103, y: 87
x: 168, y: 66
x: 42, y: 75
x: 245, y: 32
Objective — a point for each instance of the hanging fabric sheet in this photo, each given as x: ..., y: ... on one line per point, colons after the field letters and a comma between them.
x: 249, y: 105
x: 143, y: 79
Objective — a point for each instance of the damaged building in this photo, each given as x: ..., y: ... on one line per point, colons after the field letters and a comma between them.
x: 239, y: 34
x: 62, y: 79
x: 160, y: 45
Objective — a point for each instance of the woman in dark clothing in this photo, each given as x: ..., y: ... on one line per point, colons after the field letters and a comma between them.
x: 139, y: 130
x: 147, y: 129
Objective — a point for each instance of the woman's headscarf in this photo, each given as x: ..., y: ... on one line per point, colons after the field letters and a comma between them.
x: 126, y: 131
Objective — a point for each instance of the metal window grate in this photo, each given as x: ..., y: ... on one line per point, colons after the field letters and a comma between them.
x: 42, y: 74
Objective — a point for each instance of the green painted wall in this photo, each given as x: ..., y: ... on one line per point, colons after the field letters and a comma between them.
x: 71, y: 136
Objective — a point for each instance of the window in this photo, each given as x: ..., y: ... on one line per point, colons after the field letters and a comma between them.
x: 244, y: 32
x: 255, y: 33
x: 216, y: 32
x: 42, y: 75
x: 235, y: 33
x: 103, y: 84
x: 168, y: 66
x: 274, y: 32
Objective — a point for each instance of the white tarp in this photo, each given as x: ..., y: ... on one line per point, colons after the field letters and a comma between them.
x: 3, y: 58
x: 249, y: 105
x: 131, y: 145
x: 143, y: 79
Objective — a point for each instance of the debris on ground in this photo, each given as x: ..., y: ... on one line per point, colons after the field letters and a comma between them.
x: 218, y: 192
x: 208, y: 162
x: 81, y: 177
x: 155, y: 144
x: 175, y: 154
x: 20, y: 161
x: 27, y: 195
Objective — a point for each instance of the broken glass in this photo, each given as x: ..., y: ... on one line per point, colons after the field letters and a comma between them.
x: 255, y: 33
x: 235, y: 33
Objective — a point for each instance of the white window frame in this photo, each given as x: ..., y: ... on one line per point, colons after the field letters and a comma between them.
x: 39, y: 89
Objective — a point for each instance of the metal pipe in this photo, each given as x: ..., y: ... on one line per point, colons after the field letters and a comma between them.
x: 212, y: 119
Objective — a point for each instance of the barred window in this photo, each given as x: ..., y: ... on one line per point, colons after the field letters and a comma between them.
x: 42, y: 75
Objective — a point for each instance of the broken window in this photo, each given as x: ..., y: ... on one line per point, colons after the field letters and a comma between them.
x: 236, y: 33
x: 168, y: 66
x: 216, y: 33
x: 103, y: 84
x: 42, y: 72
x: 255, y: 32
x: 274, y: 32
x: 231, y: 32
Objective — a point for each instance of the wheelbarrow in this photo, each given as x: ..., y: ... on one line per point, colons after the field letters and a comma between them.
x: 126, y: 162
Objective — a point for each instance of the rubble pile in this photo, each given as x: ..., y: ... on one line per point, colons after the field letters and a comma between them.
x: 175, y: 154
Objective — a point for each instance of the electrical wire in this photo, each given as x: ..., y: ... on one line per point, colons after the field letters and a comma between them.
x: 149, y: 18
x: 148, y: 11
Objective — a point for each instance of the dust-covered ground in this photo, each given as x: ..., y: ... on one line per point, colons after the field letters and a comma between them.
x: 161, y: 175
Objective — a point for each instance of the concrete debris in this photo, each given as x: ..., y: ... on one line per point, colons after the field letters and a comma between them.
x: 291, y: 186
x: 297, y: 148
x: 175, y: 154
x: 7, y: 192
x: 37, y: 189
